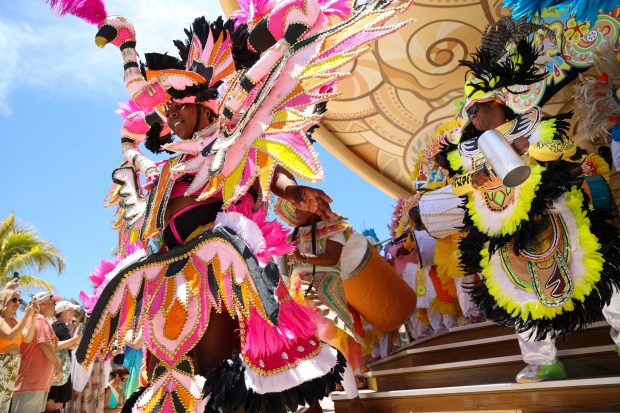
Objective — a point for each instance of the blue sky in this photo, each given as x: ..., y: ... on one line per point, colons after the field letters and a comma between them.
x: 58, y: 93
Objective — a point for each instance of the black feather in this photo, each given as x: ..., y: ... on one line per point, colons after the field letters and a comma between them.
x: 162, y: 61
x: 243, y: 56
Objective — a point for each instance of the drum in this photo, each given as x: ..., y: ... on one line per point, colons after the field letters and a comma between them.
x: 597, y: 189
x: 372, y: 286
x: 441, y: 212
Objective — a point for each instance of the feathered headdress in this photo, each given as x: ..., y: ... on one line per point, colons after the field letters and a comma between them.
x: 585, y: 10
x: 91, y: 11
x: 598, y: 97
x: 505, y: 60
x: 207, y: 57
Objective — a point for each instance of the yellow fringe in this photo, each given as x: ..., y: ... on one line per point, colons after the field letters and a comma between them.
x: 422, y: 316
x: 592, y: 260
x: 456, y: 162
x: 520, y: 213
x: 447, y: 255
x: 547, y: 130
x: 444, y: 308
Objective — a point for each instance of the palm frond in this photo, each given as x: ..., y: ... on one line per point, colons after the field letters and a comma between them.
x: 27, y: 282
x: 23, y: 251
x: 7, y: 225
x: 37, y: 259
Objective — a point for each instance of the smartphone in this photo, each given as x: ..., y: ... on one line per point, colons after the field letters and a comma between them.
x: 16, y: 276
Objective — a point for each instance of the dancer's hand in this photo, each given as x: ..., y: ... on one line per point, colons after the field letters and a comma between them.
x: 310, y: 199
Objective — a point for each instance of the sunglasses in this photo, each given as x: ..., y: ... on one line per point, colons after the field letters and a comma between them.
x: 473, y: 109
x: 124, y: 379
x: 16, y: 300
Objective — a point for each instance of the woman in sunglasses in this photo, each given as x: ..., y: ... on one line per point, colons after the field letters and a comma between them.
x: 114, y: 398
x: 12, y: 333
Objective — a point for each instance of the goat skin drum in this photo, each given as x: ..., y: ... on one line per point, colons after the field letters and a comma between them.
x: 372, y: 286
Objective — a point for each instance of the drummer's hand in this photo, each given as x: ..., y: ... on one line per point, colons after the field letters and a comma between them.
x: 521, y: 145
x: 480, y: 177
x: 310, y: 199
x: 298, y: 257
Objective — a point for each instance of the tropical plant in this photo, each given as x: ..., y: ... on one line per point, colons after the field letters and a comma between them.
x: 22, y: 251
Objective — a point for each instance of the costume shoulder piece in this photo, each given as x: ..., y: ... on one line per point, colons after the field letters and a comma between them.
x: 268, y: 108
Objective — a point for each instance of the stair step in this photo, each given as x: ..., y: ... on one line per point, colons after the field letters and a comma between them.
x: 494, y: 346
x: 573, y: 395
x: 597, y: 361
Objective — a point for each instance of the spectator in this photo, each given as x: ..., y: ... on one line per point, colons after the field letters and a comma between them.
x: 61, y: 392
x: 133, y: 360
x: 12, y: 333
x: 39, y: 364
x: 114, y: 398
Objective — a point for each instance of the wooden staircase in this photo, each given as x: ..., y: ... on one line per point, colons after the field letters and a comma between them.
x: 473, y: 368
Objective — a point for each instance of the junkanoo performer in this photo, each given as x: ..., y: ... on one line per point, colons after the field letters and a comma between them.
x: 315, y: 282
x: 414, y: 260
x: 431, y: 294
x: 598, y: 98
x: 439, y: 212
x: 221, y: 332
x: 549, y: 262
x: 400, y: 253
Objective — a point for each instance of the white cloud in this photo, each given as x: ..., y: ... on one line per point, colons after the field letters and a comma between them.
x: 58, y: 55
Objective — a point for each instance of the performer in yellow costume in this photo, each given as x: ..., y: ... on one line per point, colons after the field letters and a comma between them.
x: 548, y: 260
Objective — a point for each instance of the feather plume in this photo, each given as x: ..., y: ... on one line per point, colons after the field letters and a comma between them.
x: 91, y: 11
x: 596, y: 96
x: 507, y: 30
x: 517, y: 68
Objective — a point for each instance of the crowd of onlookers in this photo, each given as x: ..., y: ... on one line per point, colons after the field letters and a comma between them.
x: 36, y: 361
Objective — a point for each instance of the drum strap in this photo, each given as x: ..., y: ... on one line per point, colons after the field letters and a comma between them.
x: 313, y: 234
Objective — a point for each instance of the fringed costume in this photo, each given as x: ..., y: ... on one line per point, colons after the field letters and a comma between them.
x: 436, y: 214
x: 438, y: 299
x: 264, y: 77
x: 549, y: 261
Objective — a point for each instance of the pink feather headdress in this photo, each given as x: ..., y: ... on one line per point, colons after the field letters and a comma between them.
x: 251, y: 11
x: 91, y: 11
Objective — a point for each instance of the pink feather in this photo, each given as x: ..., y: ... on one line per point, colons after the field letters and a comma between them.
x: 295, y: 321
x: 88, y: 301
x: 250, y: 10
x: 91, y: 11
x: 97, y: 276
x: 104, y: 268
x: 127, y: 108
x: 274, y: 232
x: 338, y: 8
